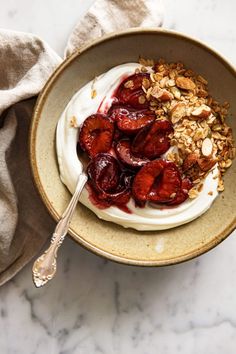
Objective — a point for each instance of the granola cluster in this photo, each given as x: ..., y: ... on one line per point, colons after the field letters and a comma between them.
x: 201, y: 135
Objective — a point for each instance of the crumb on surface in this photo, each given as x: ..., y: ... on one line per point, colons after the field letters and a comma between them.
x: 93, y: 93
x: 73, y: 122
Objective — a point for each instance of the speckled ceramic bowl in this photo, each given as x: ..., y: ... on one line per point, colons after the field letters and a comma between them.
x: 108, y: 239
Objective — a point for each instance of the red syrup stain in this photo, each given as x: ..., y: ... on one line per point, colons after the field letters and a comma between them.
x: 102, y: 204
x: 113, y: 99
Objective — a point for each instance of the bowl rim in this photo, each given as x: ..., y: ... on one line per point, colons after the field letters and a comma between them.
x: 32, y: 149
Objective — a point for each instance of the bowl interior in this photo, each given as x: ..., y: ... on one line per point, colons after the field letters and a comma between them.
x: 108, y: 239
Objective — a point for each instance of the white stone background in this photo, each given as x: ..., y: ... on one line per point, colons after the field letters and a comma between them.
x: 96, y: 306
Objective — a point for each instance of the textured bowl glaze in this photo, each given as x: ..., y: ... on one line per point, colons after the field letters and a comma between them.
x: 108, y: 239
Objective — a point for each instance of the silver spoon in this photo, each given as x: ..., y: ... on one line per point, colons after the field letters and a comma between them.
x: 45, y: 266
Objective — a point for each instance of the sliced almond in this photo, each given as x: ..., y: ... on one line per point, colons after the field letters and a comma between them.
x: 207, y: 147
x: 202, y: 112
x: 190, y: 161
x: 211, y: 119
x: 205, y: 163
x: 170, y: 83
x: 161, y: 94
x: 178, y: 112
x: 155, y: 91
x: 185, y: 83
x: 163, y: 81
x: 176, y: 92
x: 165, y: 96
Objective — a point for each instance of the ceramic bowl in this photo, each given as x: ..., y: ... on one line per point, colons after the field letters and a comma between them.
x: 108, y: 239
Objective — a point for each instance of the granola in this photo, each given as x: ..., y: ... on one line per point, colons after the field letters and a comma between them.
x: 201, y: 135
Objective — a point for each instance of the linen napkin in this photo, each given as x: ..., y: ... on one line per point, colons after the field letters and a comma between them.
x: 26, y: 62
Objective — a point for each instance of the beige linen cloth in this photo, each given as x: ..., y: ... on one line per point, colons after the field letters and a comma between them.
x: 26, y: 62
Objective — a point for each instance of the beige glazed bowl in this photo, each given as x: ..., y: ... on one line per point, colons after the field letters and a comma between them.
x: 108, y: 239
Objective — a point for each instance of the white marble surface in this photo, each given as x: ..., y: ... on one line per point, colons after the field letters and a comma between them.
x: 95, y: 306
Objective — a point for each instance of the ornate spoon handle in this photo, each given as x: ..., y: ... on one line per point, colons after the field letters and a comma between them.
x: 45, y: 266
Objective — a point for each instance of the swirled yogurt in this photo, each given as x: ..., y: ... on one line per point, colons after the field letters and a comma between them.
x: 152, y: 217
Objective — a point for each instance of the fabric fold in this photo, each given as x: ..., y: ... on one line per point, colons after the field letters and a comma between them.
x: 106, y: 16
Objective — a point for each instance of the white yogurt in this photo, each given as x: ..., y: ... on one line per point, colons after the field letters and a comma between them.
x: 152, y: 217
